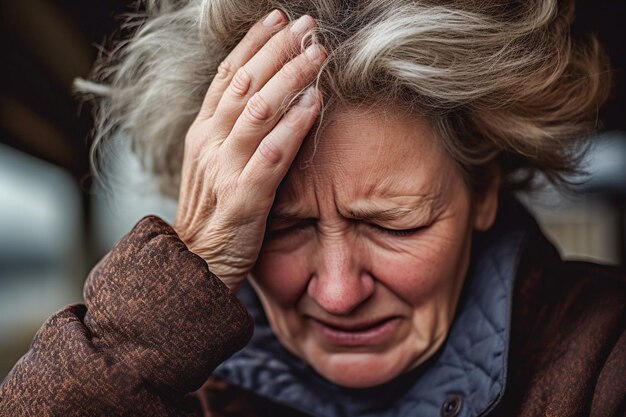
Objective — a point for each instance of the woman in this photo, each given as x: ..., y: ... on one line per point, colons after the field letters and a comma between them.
x: 351, y: 161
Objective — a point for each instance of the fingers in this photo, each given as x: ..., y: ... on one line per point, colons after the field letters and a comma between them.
x: 264, y: 108
x: 272, y: 158
x: 256, y: 37
x: 253, y: 75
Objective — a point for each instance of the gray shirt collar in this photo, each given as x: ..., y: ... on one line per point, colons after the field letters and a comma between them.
x: 469, y: 370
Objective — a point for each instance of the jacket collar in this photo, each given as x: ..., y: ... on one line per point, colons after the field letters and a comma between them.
x: 469, y: 370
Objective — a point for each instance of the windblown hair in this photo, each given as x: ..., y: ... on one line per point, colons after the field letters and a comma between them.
x: 502, y: 82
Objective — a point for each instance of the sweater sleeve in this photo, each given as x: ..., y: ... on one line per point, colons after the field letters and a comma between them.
x: 609, y: 397
x: 154, y: 325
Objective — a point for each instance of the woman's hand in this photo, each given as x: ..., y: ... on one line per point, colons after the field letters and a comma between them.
x: 241, y: 145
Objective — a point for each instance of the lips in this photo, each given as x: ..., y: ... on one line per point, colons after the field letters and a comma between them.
x: 365, y: 333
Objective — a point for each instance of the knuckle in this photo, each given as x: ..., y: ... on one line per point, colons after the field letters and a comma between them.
x: 270, y: 153
x: 241, y: 82
x: 257, y: 109
x: 294, y: 72
x: 224, y: 70
x: 296, y: 120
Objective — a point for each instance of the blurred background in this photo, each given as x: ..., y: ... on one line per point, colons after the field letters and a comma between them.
x: 54, y: 225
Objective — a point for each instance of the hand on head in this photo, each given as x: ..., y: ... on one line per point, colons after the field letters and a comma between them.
x: 241, y: 144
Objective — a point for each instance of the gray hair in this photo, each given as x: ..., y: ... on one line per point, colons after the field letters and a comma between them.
x: 501, y: 81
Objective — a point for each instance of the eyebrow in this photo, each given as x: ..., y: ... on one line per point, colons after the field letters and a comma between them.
x: 424, y: 204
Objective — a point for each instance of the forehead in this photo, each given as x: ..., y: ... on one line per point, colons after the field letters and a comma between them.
x: 363, y: 154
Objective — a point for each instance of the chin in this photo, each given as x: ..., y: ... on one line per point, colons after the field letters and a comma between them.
x: 358, y: 370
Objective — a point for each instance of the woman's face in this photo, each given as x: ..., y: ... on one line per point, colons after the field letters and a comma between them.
x: 367, y: 248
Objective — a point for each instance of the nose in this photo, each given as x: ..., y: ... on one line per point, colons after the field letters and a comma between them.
x: 340, y: 282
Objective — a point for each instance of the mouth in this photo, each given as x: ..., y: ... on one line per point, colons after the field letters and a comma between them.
x: 356, y: 334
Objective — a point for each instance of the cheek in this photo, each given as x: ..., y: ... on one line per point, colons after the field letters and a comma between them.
x: 426, y: 266
x: 282, y: 277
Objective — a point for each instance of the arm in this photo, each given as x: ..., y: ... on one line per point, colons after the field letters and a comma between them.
x: 609, y: 397
x: 154, y: 325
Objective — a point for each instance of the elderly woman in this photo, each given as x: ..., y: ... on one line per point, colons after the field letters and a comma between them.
x: 344, y: 170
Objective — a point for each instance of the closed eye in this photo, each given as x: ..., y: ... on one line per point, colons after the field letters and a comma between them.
x: 397, y: 232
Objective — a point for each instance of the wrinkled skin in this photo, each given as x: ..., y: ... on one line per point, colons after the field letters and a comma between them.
x: 240, y: 146
x: 361, y: 263
x: 376, y: 229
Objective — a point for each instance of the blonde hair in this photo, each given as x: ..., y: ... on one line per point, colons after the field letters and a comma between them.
x: 501, y: 81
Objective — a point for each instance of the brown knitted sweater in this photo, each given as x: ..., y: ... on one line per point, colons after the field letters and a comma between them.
x: 156, y: 322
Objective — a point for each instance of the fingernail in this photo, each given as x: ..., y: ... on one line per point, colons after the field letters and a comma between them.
x: 309, y: 98
x: 313, y: 52
x: 273, y: 18
x: 301, y: 25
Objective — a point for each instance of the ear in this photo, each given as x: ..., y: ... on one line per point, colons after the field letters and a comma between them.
x: 486, y: 203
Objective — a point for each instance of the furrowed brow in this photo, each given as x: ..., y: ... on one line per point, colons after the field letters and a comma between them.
x: 371, y: 214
